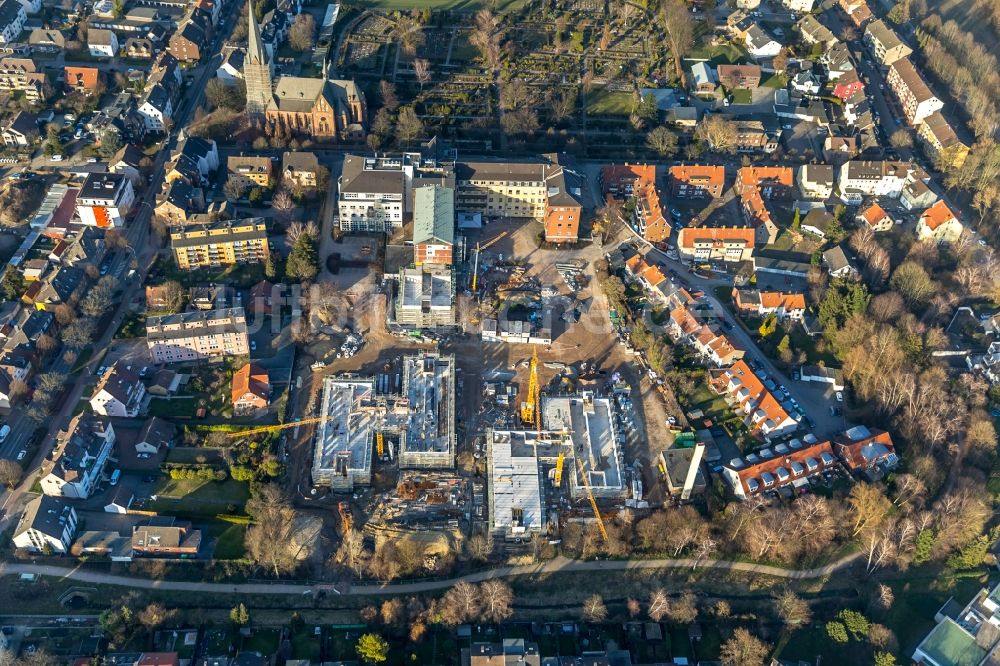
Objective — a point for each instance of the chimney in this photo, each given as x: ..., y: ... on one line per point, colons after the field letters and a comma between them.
x: 699, y: 451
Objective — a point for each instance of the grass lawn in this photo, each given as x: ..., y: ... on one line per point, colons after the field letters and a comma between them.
x: 217, y: 642
x: 190, y: 455
x: 775, y: 81
x: 742, y: 96
x: 608, y: 103
x: 717, y: 54
x: 196, y: 496
x: 179, y: 408
x: 305, y: 645
x: 789, y: 242
x: 230, y: 541
x: 264, y: 641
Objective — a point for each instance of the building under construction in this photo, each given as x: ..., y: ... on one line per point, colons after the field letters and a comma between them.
x: 426, y: 298
x: 357, y: 419
x: 580, y: 433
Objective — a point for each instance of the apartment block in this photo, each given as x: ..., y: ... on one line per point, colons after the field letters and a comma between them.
x: 104, y: 200
x: 224, y: 243
x: 433, y: 225
x: 251, y: 170
x: 885, y: 43
x: 426, y: 298
x: 696, y: 181
x: 941, y: 142
x: 912, y: 92
x: 860, y: 178
x: 77, y: 461
x: 195, y: 336
x: 716, y: 243
x: 23, y: 75
x: 47, y: 525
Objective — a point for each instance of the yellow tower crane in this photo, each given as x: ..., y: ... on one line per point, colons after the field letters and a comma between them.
x: 559, y: 467
x: 475, y: 266
x: 529, y: 408
x: 593, y: 502
x: 276, y: 428
x: 380, y: 443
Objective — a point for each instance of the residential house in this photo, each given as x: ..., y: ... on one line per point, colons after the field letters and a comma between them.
x: 511, y: 651
x: 939, y: 223
x: 251, y: 390
x: 757, y: 185
x: 165, y: 536
x: 77, y: 462
x: 752, y: 137
x: 620, y: 181
x: 157, y: 109
x: 12, y: 20
x: 703, y: 79
x: 105, y: 199
x: 46, y: 39
x: 63, y: 285
x: 912, y: 92
x: 188, y: 41
x: 748, y: 394
x: 231, y: 69
x: 814, y: 32
x: 193, y: 336
x: 817, y: 222
x: 729, y: 244
x: 371, y: 193
x: 739, y: 77
x: 194, y: 160
x: 157, y: 434
x: 807, y: 83
x: 300, y: 169
x: 941, y: 142
x: 649, y: 276
x: 120, y: 500
x: 138, y: 48
x: 47, y: 525
x: 213, y: 297
x: 815, y: 181
x: 22, y: 75
x: 251, y: 170
x: 34, y: 269
x: 84, y: 80
x: 102, y: 43
x: 875, y: 218
x: 865, y: 450
x: 964, y: 634
x: 119, y: 392
x: 164, y: 382
x: 22, y: 130
x: 777, y: 466
x: 696, y: 181
x: 434, y: 225
x: 563, y: 207
x: 860, y: 178
x: 885, y: 43
x: 128, y: 161
x: 224, y: 243
x: 687, y: 327
x: 15, y: 366
x: 762, y: 303
x: 747, y: 4
x: 858, y: 11
x: 180, y: 203
x: 838, y: 264
x: 801, y: 6
x: 838, y: 61
x: 648, y: 219
x: 917, y: 195
x: 265, y: 298
x: 760, y: 44
x: 24, y: 329
x: 848, y: 84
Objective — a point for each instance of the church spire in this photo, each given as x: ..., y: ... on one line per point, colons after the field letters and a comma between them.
x: 256, y: 53
x: 256, y: 70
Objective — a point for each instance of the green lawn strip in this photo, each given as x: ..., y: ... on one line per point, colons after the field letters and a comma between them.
x: 264, y: 641
x: 199, y: 497
x: 230, y: 543
x: 742, y: 96
x: 610, y: 103
x: 181, y: 407
x: 306, y: 645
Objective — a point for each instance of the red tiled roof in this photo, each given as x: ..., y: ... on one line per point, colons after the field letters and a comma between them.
x: 937, y: 215
x: 718, y: 235
x: 874, y: 214
x: 795, y: 463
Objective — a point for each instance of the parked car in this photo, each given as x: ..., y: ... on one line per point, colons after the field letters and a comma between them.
x: 22, y: 453
x: 840, y: 396
x: 4, y: 431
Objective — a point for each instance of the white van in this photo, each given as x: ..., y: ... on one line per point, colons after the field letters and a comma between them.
x: 115, y: 475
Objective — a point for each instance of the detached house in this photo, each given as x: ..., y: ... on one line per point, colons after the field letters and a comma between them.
x: 875, y: 218
x: 814, y: 32
x: 251, y: 390
x: 156, y: 109
x: 47, y: 525
x: 79, y: 457
x: 187, y: 43
x: 939, y: 223
x: 85, y: 80
x: 251, y: 170
x: 300, y: 169
x: 165, y: 536
x: 22, y: 130
x: 863, y: 449
x: 739, y: 77
x: 119, y: 392
x: 760, y: 44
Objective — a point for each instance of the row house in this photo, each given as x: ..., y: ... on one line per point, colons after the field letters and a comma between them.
x: 696, y: 181
x: 746, y: 392
x: 762, y: 303
x: 686, y: 327
x: 24, y: 327
x: 648, y: 219
x: 782, y: 465
x: 730, y: 244
x: 165, y: 536
x: 649, y: 276
x: 563, y: 207
x: 912, y: 92
x: 752, y: 137
x: 757, y: 185
x: 65, y: 284
x: 15, y: 366
x: 77, y: 462
x: 194, y: 336
x: 620, y: 181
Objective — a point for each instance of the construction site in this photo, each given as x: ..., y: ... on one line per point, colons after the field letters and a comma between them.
x: 409, y: 417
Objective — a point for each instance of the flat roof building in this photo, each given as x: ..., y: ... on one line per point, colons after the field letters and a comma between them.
x: 343, y: 455
x: 428, y: 439
x: 515, y: 487
x: 591, y: 424
x: 426, y: 298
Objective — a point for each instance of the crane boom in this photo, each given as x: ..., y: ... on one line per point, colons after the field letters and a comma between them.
x: 380, y: 443
x: 529, y: 408
x: 559, y: 469
x: 593, y: 502
x: 276, y: 428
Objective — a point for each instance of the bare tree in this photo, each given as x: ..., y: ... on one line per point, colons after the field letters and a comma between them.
x: 868, y: 506
x: 481, y: 547
x: 352, y: 553
x: 10, y: 473
x: 486, y: 37
x: 497, y: 598
x: 408, y: 125
x: 297, y: 229
x: 594, y: 609
x: 743, y: 649
x: 683, y: 610
x: 680, y: 32
x: 718, y: 132
x: 792, y: 609
x: 409, y: 32
x: 461, y: 603
x: 422, y: 70
x: 625, y: 10
x: 301, y: 36
x: 658, y: 604
x: 269, y: 539
x: 634, y: 607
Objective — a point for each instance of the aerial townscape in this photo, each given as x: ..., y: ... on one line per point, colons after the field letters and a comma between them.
x: 528, y: 333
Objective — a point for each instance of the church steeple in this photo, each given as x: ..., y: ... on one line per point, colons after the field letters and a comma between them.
x: 256, y: 69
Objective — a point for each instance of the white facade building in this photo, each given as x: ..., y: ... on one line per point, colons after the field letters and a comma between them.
x: 104, y: 200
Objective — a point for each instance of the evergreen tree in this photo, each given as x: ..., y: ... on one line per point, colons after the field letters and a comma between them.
x: 303, y: 260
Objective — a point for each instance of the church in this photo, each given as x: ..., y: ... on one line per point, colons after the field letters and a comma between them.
x: 318, y: 108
